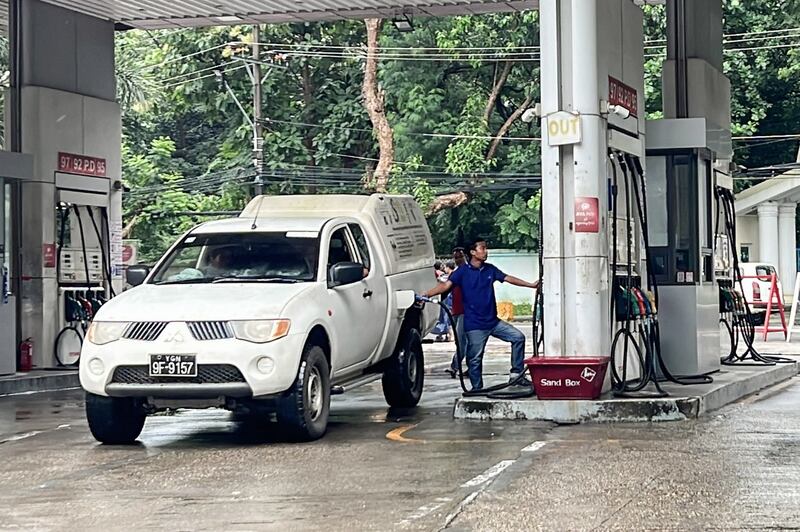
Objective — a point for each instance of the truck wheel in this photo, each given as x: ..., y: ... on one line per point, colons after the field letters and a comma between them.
x: 304, y: 409
x: 405, y: 372
x: 114, y: 420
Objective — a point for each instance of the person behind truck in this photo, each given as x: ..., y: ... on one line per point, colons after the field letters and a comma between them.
x: 457, y: 310
x: 476, y: 280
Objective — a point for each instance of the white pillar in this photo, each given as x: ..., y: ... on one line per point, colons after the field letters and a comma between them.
x: 787, y: 243
x: 768, y: 233
x: 576, y: 264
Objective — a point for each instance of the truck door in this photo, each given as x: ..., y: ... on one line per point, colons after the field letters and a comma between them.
x: 357, y: 310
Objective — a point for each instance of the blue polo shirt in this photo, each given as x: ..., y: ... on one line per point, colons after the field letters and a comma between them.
x: 477, y: 290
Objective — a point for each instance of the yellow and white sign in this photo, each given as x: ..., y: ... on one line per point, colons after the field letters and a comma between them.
x: 563, y: 128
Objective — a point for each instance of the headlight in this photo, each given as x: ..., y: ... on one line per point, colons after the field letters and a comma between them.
x: 260, y: 331
x: 105, y: 332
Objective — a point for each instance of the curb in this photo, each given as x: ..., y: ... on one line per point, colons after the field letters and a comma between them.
x: 22, y: 383
x: 612, y: 410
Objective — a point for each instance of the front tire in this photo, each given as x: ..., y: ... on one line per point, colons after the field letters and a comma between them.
x: 404, y: 376
x: 303, y: 411
x: 114, y: 420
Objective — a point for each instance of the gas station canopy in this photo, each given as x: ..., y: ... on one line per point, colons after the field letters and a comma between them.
x: 147, y: 14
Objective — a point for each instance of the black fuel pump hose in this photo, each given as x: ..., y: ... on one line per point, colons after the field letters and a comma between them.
x: 723, y: 320
x: 105, y: 257
x: 538, y: 301
x: 743, y: 321
x: 621, y: 385
x: 62, y: 229
x: 83, y: 247
x: 492, y: 392
x: 107, y: 231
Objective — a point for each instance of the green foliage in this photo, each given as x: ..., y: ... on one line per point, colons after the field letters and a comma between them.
x: 519, y: 221
x: 188, y: 146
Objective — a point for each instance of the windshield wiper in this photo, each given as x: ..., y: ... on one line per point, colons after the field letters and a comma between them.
x: 256, y: 279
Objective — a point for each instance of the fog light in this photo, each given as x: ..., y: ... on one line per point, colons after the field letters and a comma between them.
x: 96, y: 366
x: 265, y: 365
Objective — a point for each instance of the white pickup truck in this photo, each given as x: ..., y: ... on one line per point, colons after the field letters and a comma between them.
x: 268, y: 313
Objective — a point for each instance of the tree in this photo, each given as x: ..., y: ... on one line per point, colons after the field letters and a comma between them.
x: 374, y: 102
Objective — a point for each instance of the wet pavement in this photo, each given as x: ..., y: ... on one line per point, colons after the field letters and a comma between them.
x: 379, y: 469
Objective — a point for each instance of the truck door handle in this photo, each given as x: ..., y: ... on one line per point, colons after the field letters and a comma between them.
x: 367, y: 293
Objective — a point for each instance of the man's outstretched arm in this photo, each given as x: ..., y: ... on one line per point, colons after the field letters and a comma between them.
x: 516, y: 281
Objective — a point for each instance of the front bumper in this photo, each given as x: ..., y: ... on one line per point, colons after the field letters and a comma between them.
x: 242, y: 377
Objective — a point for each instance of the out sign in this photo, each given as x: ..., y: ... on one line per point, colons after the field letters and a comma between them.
x: 563, y: 128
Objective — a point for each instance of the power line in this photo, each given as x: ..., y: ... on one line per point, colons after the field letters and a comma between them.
x: 431, y: 135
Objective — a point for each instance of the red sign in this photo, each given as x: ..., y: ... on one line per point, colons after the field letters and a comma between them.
x: 127, y: 253
x: 587, y: 215
x: 49, y: 255
x: 623, y: 95
x: 81, y: 164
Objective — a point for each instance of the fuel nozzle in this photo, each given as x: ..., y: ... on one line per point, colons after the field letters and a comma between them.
x: 651, y: 298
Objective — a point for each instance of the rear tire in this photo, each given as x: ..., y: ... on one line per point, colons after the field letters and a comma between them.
x: 114, y: 420
x: 404, y: 376
x: 303, y: 411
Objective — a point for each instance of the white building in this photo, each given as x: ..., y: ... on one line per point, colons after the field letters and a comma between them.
x: 766, y: 225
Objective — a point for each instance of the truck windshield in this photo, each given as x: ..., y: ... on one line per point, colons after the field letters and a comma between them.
x: 256, y: 257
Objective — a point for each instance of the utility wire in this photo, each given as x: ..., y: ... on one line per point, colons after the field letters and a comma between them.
x: 409, y: 133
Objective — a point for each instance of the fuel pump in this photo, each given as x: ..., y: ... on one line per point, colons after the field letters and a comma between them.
x: 682, y: 172
x: 735, y: 314
x: 83, y: 276
x: 635, y: 295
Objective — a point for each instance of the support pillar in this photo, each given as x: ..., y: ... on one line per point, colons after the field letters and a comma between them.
x: 768, y: 233
x: 576, y: 284
x: 65, y: 101
x: 787, y: 243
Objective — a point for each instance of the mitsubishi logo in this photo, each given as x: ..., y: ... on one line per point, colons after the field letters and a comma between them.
x: 588, y: 374
x: 177, y: 338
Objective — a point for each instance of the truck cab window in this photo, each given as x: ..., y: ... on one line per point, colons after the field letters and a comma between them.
x: 361, y: 243
x: 339, y: 249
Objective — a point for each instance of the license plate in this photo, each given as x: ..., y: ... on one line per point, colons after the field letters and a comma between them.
x: 173, y: 366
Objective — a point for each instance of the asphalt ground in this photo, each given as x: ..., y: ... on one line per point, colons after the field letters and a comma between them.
x: 379, y: 469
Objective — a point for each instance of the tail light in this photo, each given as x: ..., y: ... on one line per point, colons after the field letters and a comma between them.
x: 756, y: 291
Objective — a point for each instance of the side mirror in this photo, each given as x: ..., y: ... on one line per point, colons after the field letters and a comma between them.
x: 345, y: 273
x: 135, y: 275
x: 404, y: 299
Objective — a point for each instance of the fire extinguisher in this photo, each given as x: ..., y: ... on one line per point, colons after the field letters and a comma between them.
x: 26, y: 355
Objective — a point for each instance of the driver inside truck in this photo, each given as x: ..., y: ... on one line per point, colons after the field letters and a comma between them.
x: 220, y: 260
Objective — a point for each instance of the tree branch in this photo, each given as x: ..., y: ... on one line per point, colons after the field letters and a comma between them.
x: 448, y: 201
x: 126, y: 231
x: 498, y: 138
x: 374, y: 102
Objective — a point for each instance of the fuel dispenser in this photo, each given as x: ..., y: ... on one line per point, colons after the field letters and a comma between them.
x: 682, y: 176
x: 83, y: 263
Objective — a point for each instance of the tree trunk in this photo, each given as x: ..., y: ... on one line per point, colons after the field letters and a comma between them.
x: 496, y: 90
x: 374, y: 102
x: 308, y: 100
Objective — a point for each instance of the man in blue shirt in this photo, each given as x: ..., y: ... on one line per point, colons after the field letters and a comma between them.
x: 476, y: 280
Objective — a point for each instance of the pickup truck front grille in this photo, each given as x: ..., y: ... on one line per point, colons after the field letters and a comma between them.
x: 210, y: 330
x: 206, y: 374
x: 147, y: 331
